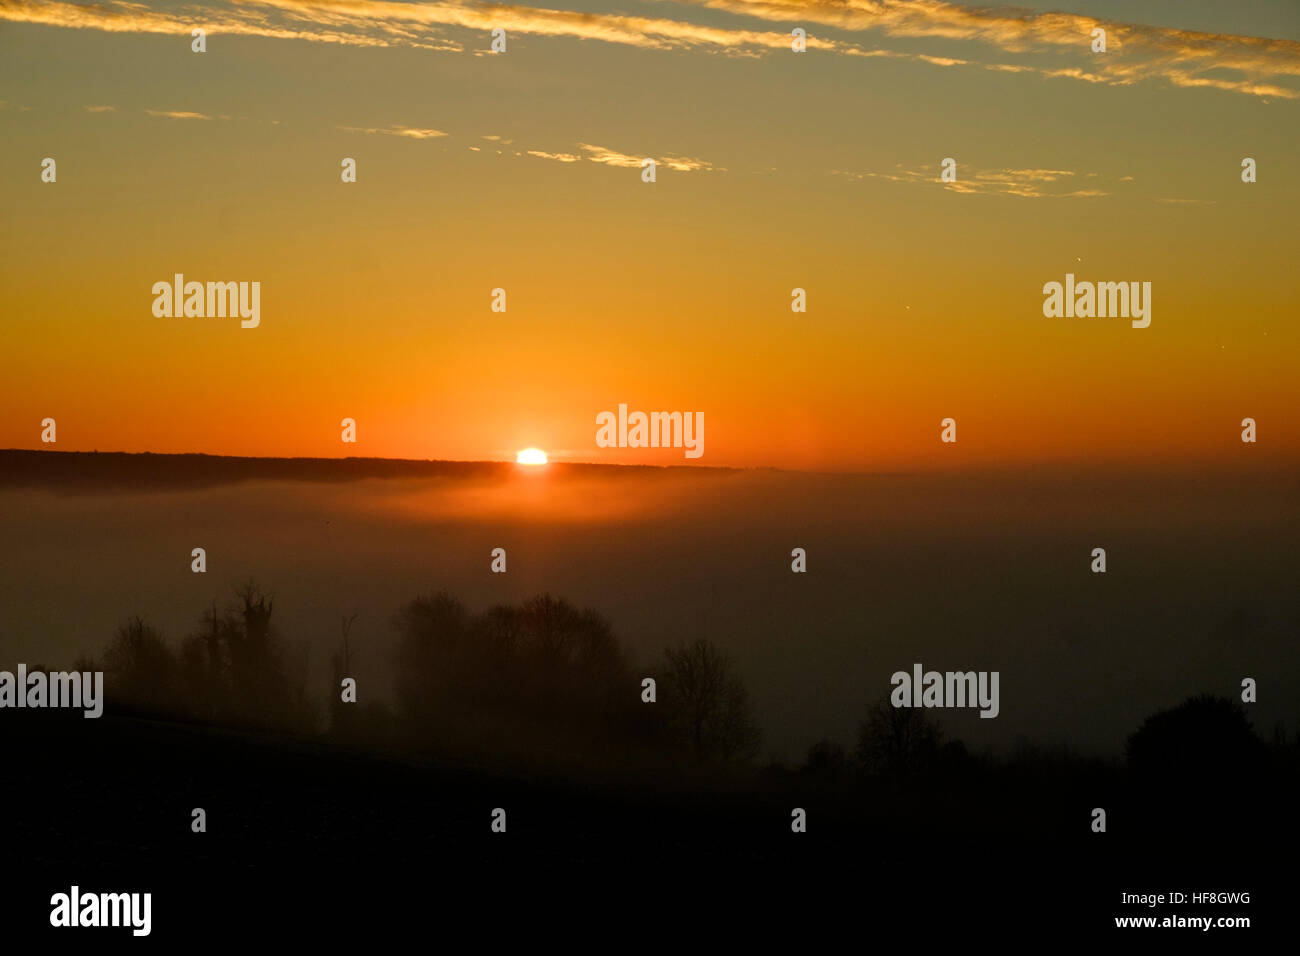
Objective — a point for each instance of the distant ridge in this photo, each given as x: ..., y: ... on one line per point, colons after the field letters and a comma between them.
x: 98, y: 470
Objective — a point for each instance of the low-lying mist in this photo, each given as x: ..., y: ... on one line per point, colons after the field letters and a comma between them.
x: 956, y: 572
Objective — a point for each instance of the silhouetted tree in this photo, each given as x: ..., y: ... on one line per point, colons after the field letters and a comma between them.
x: 571, y: 663
x: 543, y: 670
x: 431, y: 638
x: 827, y: 760
x: 205, y: 666
x: 302, y: 710
x: 707, y: 703
x: 1207, y: 738
x: 897, y: 741
x: 141, y: 666
x: 341, y: 667
x: 230, y: 670
x: 251, y: 656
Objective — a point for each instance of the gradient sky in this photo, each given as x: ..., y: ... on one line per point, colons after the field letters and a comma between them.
x: 777, y: 170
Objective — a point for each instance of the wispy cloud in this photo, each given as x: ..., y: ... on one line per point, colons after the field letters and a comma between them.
x: 100, y: 109
x: 654, y: 33
x: 178, y: 114
x: 1134, y: 52
x: 558, y: 157
x: 1020, y: 183
x: 408, y: 132
x: 1038, y: 175
x: 124, y: 16
x: 1188, y: 59
x: 380, y: 23
x: 689, y: 164
x: 611, y: 157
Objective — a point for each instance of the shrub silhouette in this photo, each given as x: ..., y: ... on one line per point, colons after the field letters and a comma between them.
x: 898, y: 741
x: 826, y: 760
x: 542, y: 670
x: 1206, y: 738
x: 707, y: 704
x: 141, y: 669
x: 229, y: 671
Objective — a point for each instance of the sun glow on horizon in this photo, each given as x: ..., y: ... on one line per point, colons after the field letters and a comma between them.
x: 531, y: 456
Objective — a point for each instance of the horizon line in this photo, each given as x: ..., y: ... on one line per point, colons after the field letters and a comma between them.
x: 1077, y: 467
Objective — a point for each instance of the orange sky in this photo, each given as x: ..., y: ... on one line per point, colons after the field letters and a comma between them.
x: 817, y: 171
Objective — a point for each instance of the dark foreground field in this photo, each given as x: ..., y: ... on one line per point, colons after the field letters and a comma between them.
x: 309, y: 844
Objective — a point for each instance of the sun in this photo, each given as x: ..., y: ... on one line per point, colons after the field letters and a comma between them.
x: 531, y: 456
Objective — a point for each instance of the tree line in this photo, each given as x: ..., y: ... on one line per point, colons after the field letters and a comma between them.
x: 540, y: 674
x: 546, y: 679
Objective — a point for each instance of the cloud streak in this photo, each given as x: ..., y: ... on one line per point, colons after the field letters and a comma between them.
x: 178, y: 114
x: 1020, y: 183
x: 681, y: 164
x: 1135, y: 53
x: 406, y: 132
x: 557, y: 157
